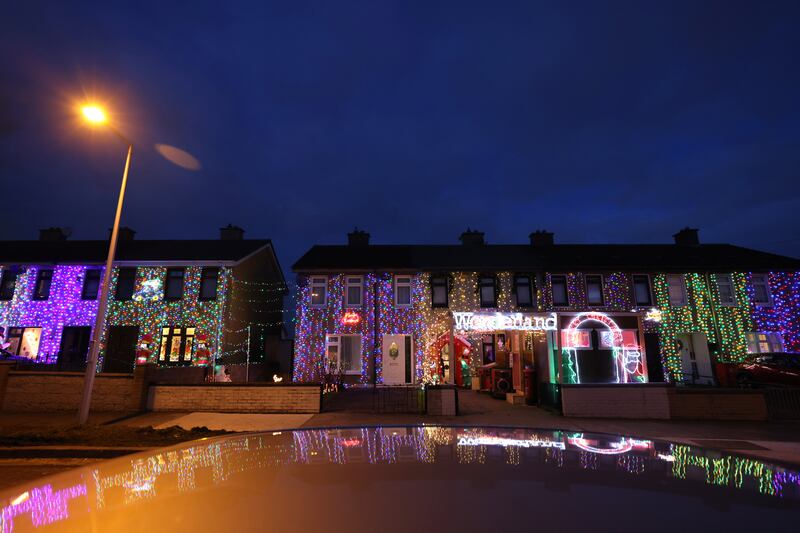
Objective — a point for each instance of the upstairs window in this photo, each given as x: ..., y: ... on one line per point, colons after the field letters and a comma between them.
x: 319, y: 291
x: 761, y: 293
x: 126, y: 280
x: 559, y: 288
x: 402, y: 291
x: 353, y: 291
x: 209, y: 280
x: 594, y: 289
x: 727, y: 296
x: 8, y: 283
x: 764, y: 343
x: 488, y: 291
x: 91, y: 284
x: 173, y: 289
x: 44, y: 278
x: 676, y: 289
x: 523, y: 291
x: 641, y: 290
x: 439, y: 296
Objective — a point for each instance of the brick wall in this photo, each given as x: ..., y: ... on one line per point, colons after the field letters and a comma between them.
x: 718, y: 404
x: 236, y: 398
x: 609, y: 401
x: 62, y: 391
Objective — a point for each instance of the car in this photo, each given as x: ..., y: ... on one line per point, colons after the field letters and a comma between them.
x: 412, y: 478
x: 772, y: 369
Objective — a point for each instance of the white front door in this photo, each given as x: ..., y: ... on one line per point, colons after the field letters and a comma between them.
x: 695, y: 359
x: 397, y: 360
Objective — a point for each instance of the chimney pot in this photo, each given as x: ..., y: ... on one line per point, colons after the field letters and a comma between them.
x: 358, y: 237
x: 541, y: 237
x: 472, y: 238
x: 52, y: 234
x: 231, y: 233
x: 687, y: 237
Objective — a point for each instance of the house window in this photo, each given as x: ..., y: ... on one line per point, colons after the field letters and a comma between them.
x: 761, y: 293
x: 8, y: 283
x: 676, y: 289
x: 523, y: 292
x: 209, y: 280
x: 439, y: 291
x: 727, y: 296
x: 402, y: 291
x: 594, y: 289
x: 174, y: 286
x: 353, y: 290
x: 319, y: 291
x: 176, y: 345
x: 91, y: 284
x: 44, y: 278
x: 559, y: 288
x: 764, y: 342
x: 126, y: 279
x: 641, y: 290
x: 487, y: 286
x: 24, y: 341
x: 344, y: 353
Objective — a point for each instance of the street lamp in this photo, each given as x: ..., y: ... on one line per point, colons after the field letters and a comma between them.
x: 96, y: 115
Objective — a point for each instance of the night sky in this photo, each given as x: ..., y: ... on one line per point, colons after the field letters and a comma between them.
x: 599, y: 121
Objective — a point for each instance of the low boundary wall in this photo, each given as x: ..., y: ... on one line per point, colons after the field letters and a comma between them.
x: 662, y: 401
x: 237, y: 398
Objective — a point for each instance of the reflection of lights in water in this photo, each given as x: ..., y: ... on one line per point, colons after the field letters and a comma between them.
x: 488, y: 440
x: 666, y: 457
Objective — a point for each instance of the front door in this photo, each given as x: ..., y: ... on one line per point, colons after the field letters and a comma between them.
x: 121, y: 349
x: 74, y: 347
x: 397, y: 360
x: 695, y: 358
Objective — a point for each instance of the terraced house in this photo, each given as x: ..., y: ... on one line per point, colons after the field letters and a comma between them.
x: 172, y: 302
x: 577, y: 314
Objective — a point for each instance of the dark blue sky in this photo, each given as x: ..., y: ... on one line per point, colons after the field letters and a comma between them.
x: 600, y: 121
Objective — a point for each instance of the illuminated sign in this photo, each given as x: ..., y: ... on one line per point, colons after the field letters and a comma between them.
x: 653, y: 315
x: 487, y: 440
x: 351, y: 319
x: 507, y: 321
x: 150, y: 290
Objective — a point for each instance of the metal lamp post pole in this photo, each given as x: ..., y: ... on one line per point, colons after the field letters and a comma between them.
x: 99, y: 324
x: 247, y: 369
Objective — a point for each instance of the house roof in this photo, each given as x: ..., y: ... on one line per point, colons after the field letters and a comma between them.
x: 556, y: 257
x: 211, y: 250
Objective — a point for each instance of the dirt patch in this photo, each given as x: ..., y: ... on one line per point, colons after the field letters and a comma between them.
x: 116, y: 435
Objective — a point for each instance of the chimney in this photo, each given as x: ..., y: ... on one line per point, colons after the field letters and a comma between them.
x: 125, y: 234
x: 231, y: 233
x: 358, y: 237
x: 472, y: 237
x: 687, y: 237
x: 52, y: 234
x: 541, y: 237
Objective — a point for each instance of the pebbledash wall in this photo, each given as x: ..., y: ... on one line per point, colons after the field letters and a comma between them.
x: 150, y: 311
x: 726, y: 326
x: 63, y: 308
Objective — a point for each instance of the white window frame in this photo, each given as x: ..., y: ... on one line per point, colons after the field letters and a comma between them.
x: 318, y: 281
x: 649, y: 290
x: 408, y: 284
x: 733, y: 302
x: 685, y: 299
x: 773, y: 340
x: 602, y: 290
x: 764, y: 280
x: 353, y: 281
x: 335, y: 339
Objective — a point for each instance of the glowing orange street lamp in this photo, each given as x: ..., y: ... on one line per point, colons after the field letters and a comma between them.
x: 96, y: 115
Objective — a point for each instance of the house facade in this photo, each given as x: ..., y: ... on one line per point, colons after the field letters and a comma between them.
x: 177, y: 302
x: 575, y: 313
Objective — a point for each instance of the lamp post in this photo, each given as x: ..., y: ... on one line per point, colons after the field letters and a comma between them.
x: 96, y: 115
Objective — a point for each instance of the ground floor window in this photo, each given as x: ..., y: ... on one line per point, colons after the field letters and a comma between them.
x: 176, y: 345
x: 344, y: 353
x: 764, y: 342
x: 24, y: 341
